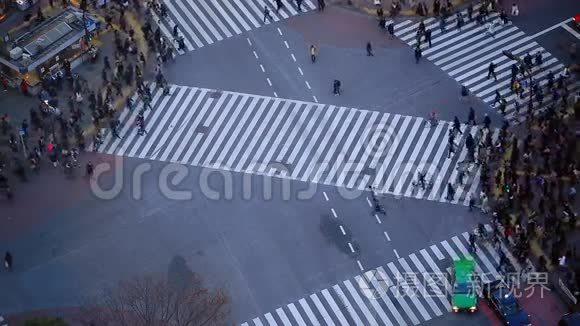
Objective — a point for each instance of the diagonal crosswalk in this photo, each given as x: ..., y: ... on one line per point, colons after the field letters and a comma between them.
x: 297, y: 140
x: 409, y: 291
x: 466, y: 54
x: 204, y: 22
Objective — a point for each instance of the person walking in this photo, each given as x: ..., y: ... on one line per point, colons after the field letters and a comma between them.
x: 321, y: 5
x: 428, y: 37
x: 391, y: 29
x: 267, y: 14
x: 451, y: 140
x: 460, y: 21
x: 418, y: 54
x: 515, y: 10
x: 442, y: 25
x: 313, y: 51
x: 457, y: 125
x: 471, y: 117
x: 279, y: 5
x: 370, y: 50
x: 491, y: 71
x: 299, y: 5
x: 8, y: 261
x: 450, y: 192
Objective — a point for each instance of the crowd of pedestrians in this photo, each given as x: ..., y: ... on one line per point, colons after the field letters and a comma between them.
x: 55, y: 132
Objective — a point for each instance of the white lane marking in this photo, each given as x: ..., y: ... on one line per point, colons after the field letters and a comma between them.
x: 257, y: 322
x: 249, y: 42
x: 300, y: 70
x: 551, y: 28
x: 358, y: 300
x: 378, y: 219
x: 270, y: 319
x: 373, y: 301
x: 337, y: 311
x: 571, y: 31
x: 347, y: 305
x: 293, y: 57
x: 325, y: 196
x: 296, y: 314
x: 369, y: 202
x: 256, y: 55
x: 279, y: 31
x: 315, y: 99
x: 308, y: 85
x: 360, y: 266
x: 396, y: 253
x: 342, y: 230
x: 262, y: 67
x: 269, y: 82
x: 321, y: 309
x: 351, y: 247
x: 413, y: 298
x: 286, y: 43
x: 387, y: 236
x: 283, y: 316
x: 334, y: 213
x: 437, y: 252
x: 275, y: 94
x: 309, y: 312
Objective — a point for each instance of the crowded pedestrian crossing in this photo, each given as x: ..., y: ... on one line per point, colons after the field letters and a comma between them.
x: 298, y: 140
x: 204, y: 22
x: 465, y: 54
x: 408, y: 291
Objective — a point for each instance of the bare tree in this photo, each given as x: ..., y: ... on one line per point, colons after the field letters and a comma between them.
x: 149, y: 301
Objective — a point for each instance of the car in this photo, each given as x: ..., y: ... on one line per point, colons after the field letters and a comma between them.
x: 503, y: 301
x: 464, y: 296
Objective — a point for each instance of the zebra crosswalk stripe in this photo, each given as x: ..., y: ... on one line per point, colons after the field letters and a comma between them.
x: 295, y: 140
x: 391, y: 301
x: 466, y: 54
x: 205, y: 22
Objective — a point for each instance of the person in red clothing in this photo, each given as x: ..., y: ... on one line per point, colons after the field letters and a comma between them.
x: 24, y: 87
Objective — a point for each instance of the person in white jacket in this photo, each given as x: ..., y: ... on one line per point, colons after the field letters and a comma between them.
x: 515, y: 9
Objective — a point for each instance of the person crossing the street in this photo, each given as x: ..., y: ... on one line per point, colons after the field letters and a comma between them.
x: 471, y: 117
x: 491, y: 71
x: 418, y: 54
x: 370, y: 50
x: 428, y: 37
x: 267, y: 15
x: 313, y: 52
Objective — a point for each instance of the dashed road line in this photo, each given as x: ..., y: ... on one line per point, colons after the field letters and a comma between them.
x: 334, y: 213
x: 286, y: 43
x: 315, y: 99
x: 269, y: 82
x: 256, y: 55
x: 342, y: 230
x: 378, y: 219
x: 293, y: 57
x: 308, y: 85
x: 300, y: 70
x: 369, y: 202
x: 280, y: 31
x: 360, y: 265
x: 351, y: 247
x: 325, y: 195
x: 396, y: 253
x: 387, y: 236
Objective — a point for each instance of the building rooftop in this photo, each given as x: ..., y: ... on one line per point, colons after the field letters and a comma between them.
x: 40, y: 42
